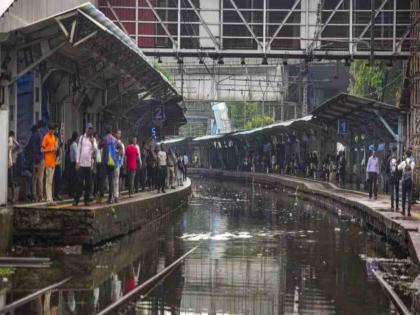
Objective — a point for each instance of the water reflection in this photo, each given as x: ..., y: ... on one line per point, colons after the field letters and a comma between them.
x: 262, y: 252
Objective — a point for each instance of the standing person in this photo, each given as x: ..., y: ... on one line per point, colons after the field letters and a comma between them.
x: 372, y: 171
x: 394, y: 176
x: 342, y: 169
x: 151, y: 168
x: 39, y: 167
x: 171, y: 161
x: 137, y: 179
x: 119, y: 163
x: 161, y: 159
x: 97, y: 169
x: 386, y: 171
x: 132, y: 155
x: 143, y: 173
x: 407, y: 167
x: 58, y: 169
x: 13, y: 147
x: 179, y: 170
x: 29, y: 159
x: 185, y: 162
x: 109, y: 160
x: 273, y: 162
x: 72, y: 179
x: 49, y: 148
x: 86, y: 151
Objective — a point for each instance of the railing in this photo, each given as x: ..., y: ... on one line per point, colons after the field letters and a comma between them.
x: 10, y: 308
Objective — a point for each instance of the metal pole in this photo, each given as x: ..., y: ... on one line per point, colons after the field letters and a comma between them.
x: 351, y: 28
x: 179, y: 26
x: 264, y: 25
x: 394, y: 28
x: 12, y: 306
x: 145, y: 284
x: 372, y: 32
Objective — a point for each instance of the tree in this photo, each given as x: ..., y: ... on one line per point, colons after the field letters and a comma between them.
x: 379, y: 81
x: 259, y: 121
x: 241, y: 113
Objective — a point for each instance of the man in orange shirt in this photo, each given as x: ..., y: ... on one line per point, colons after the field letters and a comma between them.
x: 49, y: 148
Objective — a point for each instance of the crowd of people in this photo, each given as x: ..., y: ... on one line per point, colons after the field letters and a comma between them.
x: 329, y: 169
x: 92, y: 166
x: 394, y: 172
x: 399, y: 171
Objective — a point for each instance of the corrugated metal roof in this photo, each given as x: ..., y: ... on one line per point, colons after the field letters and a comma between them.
x: 210, y: 137
x: 275, y: 125
x: 173, y: 140
x: 362, y: 113
x: 109, y: 45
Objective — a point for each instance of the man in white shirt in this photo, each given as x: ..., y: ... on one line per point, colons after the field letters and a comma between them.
x: 185, y: 161
x: 85, y: 157
x: 161, y: 159
x: 407, y: 167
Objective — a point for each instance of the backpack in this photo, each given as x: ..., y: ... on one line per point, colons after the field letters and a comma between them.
x: 393, y: 167
x: 109, y: 152
x: 407, y: 171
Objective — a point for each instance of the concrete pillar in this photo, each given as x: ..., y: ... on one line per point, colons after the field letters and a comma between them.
x: 9, y: 98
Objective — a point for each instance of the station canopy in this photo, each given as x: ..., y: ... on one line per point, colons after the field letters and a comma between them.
x: 84, y: 42
x: 370, y: 117
x: 284, y: 125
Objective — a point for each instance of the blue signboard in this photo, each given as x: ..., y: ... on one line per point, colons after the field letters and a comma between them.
x: 154, y: 132
x: 342, y: 126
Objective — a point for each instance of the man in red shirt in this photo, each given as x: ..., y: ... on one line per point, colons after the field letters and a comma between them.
x: 132, y: 155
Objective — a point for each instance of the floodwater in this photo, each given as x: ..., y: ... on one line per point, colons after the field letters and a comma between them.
x: 260, y: 252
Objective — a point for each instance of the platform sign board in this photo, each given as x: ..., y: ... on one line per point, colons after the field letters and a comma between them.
x: 154, y: 132
x: 158, y: 113
x: 342, y: 126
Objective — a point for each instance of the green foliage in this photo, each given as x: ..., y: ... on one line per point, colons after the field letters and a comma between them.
x: 259, y: 121
x: 241, y: 113
x: 379, y: 81
x: 6, y: 272
x: 166, y: 73
x: 195, y: 129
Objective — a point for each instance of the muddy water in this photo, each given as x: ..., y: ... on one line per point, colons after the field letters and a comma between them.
x: 261, y: 252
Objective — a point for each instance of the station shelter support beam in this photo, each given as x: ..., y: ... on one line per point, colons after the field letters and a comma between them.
x: 398, y: 137
x: 7, y: 98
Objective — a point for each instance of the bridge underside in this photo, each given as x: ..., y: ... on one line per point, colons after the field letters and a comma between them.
x: 329, y: 29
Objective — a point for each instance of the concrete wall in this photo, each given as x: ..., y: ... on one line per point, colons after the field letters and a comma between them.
x: 93, y: 225
x: 6, y: 229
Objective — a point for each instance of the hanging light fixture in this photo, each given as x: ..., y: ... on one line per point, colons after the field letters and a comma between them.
x: 284, y: 62
x: 347, y: 62
x: 243, y: 61
x: 159, y: 60
x: 180, y: 61
x: 220, y: 62
x: 264, y: 61
x: 201, y: 61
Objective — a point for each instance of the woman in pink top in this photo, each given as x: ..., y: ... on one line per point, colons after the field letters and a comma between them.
x: 132, y: 155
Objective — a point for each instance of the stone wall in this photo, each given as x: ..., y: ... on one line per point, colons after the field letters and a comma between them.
x: 93, y: 225
x: 6, y: 228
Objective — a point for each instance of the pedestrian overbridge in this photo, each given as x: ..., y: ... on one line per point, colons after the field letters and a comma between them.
x: 332, y: 29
